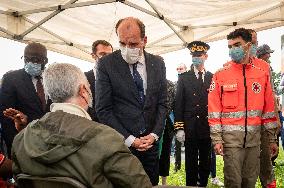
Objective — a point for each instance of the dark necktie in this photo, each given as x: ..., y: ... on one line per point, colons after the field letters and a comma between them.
x: 40, y: 92
x: 139, y: 83
x: 200, y: 80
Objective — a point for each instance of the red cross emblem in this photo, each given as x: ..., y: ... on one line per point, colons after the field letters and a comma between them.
x: 256, y: 87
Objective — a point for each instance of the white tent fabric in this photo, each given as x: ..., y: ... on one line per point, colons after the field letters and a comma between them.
x: 70, y: 26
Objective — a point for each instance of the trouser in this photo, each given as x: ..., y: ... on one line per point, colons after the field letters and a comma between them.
x: 150, y: 162
x: 164, y: 162
x: 177, y: 155
x: 197, y: 161
x: 9, y: 132
x: 241, y: 167
x: 266, y: 174
x: 213, y: 163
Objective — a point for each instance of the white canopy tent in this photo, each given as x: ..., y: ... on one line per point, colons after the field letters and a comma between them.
x: 70, y: 26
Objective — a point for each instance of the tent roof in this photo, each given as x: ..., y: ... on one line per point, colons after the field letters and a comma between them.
x: 70, y: 26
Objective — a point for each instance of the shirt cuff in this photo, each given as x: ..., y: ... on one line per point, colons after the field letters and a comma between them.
x: 129, y: 141
x: 155, y: 136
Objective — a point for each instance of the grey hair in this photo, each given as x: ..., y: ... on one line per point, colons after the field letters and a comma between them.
x: 61, y: 81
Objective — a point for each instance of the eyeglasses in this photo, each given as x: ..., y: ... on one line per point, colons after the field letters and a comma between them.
x: 36, y: 59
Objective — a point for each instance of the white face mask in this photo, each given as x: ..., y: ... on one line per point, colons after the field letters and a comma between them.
x: 130, y: 55
x: 90, y: 102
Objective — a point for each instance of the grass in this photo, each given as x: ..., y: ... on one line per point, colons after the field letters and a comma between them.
x: 178, y: 178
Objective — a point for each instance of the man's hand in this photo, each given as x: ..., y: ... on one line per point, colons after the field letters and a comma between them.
x: 218, y: 148
x: 147, y: 142
x: 180, y: 135
x: 273, y: 149
x: 20, y: 119
x: 137, y: 142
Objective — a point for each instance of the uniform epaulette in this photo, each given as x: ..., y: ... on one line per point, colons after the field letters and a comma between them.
x: 184, y: 72
x: 179, y: 125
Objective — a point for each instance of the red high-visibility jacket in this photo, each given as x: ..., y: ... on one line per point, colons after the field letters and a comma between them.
x: 240, y: 102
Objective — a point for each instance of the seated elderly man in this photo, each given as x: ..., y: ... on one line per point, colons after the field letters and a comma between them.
x: 65, y: 142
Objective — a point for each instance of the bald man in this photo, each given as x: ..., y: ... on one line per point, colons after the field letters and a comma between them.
x: 22, y: 94
x: 131, y: 94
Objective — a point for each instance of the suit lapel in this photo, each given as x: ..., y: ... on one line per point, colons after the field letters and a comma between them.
x: 124, y: 70
x: 27, y: 79
x: 150, y: 71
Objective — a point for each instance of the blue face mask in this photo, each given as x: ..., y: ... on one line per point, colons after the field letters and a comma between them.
x: 33, y: 69
x: 197, y: 61
x: 253, y: 50
x: 237, y: 54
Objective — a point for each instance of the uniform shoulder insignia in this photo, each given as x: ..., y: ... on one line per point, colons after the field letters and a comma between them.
x: 185, y: 72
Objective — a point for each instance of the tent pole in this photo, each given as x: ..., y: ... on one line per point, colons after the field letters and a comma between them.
x: 74, y: 5
x: 6, y: 31
x: 149, y: 12
x: 243, y: 20
x: 44, y: 20
x: 170, y: 26
x: 57, y: 36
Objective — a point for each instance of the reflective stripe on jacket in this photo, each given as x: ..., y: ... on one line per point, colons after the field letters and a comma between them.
x: 240, y: 101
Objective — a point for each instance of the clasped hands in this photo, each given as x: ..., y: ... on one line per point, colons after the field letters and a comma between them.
x: 143, y: 143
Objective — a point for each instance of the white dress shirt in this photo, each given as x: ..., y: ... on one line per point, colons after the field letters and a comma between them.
x: 141, y: 68
x: 196, y: 72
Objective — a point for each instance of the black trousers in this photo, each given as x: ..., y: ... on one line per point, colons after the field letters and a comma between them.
x: 150, y: 162
x: 164, y: 162
x: 197, y: 161
x: 177, y: 155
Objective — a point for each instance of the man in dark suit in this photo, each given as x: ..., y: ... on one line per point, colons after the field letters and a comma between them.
x: 22, y: 94
x: 191, y: 116
x: 131, y: 94
x: 100, y: 48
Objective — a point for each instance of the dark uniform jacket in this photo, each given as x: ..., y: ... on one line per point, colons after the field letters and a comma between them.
x: 191, y: 105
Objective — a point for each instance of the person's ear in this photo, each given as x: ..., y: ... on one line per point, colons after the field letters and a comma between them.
x: 94, y: 56
x: 145, y: 40
x: 206, y: 56
x: 82, y: 90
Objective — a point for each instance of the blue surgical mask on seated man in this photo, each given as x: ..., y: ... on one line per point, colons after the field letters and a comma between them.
x: 33, y: 69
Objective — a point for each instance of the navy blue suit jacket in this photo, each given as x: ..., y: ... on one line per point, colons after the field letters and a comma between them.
x: 117, y: 98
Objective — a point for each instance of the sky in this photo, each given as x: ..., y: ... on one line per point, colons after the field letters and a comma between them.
x: 11, y: 53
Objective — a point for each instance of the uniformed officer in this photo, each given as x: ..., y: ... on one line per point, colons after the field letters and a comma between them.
x: 191, y: 116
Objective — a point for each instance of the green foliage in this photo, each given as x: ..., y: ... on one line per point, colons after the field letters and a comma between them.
x: 178, y: 178
x: 276, y: 81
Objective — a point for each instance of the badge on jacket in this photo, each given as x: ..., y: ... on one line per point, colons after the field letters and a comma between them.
x: 256, y: 87
x: 212, y: 86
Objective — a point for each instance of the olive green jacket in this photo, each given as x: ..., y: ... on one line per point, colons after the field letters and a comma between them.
x: 63, y: 144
